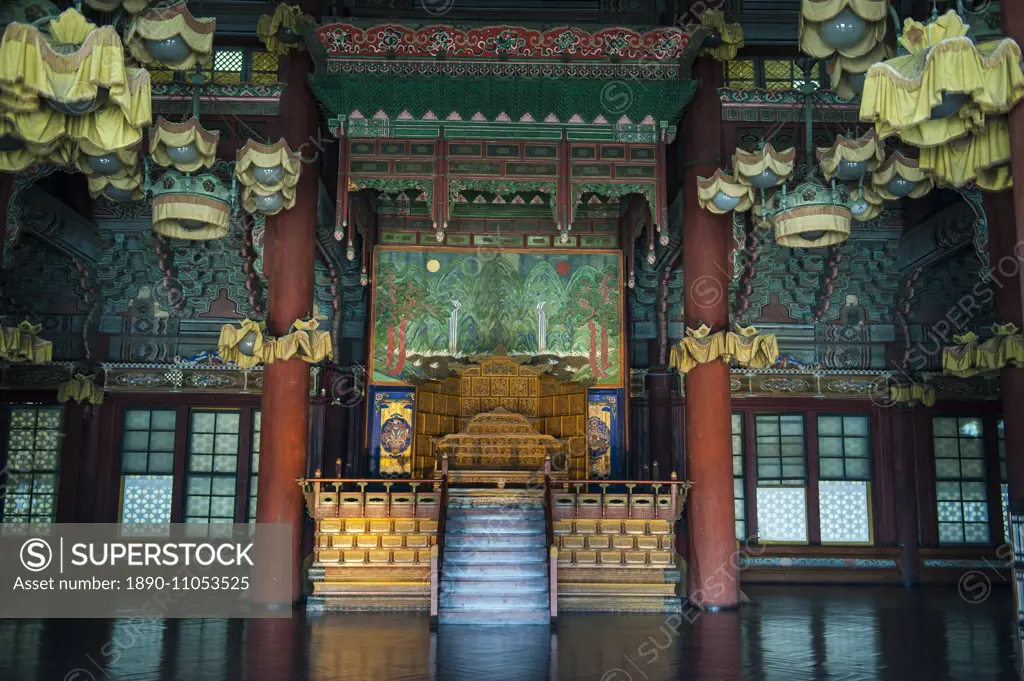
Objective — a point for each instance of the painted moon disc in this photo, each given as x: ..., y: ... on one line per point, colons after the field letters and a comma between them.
x: 433, y: 265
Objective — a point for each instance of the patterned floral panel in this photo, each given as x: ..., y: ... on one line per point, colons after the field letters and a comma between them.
x: 146, y: 499
x: 845, y: 511
x: 782, y: 514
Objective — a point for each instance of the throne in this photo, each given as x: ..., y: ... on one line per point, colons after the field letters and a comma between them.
x: 499, y: 446
x: 497, y: 420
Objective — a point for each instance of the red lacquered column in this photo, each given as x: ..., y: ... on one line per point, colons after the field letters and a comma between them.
x: 712, y: 569
x: 290, y: 250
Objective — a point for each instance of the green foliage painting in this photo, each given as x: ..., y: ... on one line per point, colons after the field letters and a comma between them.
x: 460, y: 303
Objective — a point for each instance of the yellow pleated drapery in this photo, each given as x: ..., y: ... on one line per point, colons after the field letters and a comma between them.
x: 969, y: 357
x: 130, y: 6
x: 746, y: 347
x: 176, y: 20
x: 750, y: 164
x: 911, y: 395
x: 973, y: 144
x: 751, y: 349
x: 815, y: 12
x: 285, y: 16
x: 709, y: 187
x: 77, y: 63
x: 21, y: 344
x: 982, y: 158
x: 166, y: 134
x: 304, y: 342
x: 841, y: 70
x: 253, y: 156
x: 82, y: 389
x: 231, y: 337
x: 731, y: 36
x: 868, y: 149
x: 907, y: 168
x: 699, y: 347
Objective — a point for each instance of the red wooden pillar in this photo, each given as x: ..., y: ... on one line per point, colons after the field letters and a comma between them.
x: 290, y: 250
x: 1006, y: 262
x: 712, y: 569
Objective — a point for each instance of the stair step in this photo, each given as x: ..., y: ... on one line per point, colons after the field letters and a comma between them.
x: 525, y: 601
x: 470, y: 556
x: 494, y: 541
x: 502, y: 526
x: 492, y: 618
x: 492, y: 587
x: 496, y: 571
x: 492, y: 514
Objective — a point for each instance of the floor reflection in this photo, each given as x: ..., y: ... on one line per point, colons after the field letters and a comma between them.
x: 786, y: 634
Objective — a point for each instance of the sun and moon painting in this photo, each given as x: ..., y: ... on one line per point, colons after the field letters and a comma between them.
x: 469, y: 302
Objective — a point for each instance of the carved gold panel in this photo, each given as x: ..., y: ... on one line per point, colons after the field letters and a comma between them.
x: 562, y: 405
x: 509, y: 404
x: 489, y: 403
x: 453, y: 406
x: 549, y: 386
x: 519, y: 387
x: 425, y: 402
x: 467, y: 386
x: 481, y: 387
x: 547, y: 406
x: 499, y: 367
x: 577, y: 403
x: 553, y: 426
x: 499, y: 387
x: 470, y: 406
x: 528, y: 406
x: 451, y: 386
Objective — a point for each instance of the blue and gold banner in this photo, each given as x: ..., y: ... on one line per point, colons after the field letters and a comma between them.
x: 391, y: 432
x: 603, y: 432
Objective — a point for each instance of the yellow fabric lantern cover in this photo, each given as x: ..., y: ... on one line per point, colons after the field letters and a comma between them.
x: 129, y: 158
x: 305, y: 343
x: 791, y: 225
x: 732, y: 36
x: 912, y: 394
x: 752, y: 163
x: 20, y: 344
x: 867, y: 149
x: 253, y: 156
x: 231, y: 336
x: 981, y: 158
x: 81, y: 389
x: 167, y: 134
x: 169, y: 209
x: 750, y: 349
x: 133, y: 183
x: 130, y: 6
x: 899, y: 94
x: 284, y: 16
x: 161, y: 24
x: 907, y: 168
x: 699, y: 347
x: 815, y: 12
x: 708, y: 188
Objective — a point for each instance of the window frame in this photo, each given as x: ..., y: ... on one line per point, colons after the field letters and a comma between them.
x: 246, y: 405
x: 245, y: 75
x: 810, y: 410
x: 991, y: 481
x: 59, y: 494
x: 760, y: 75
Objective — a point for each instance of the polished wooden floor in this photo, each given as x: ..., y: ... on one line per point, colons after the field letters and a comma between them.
x: 785, y: 634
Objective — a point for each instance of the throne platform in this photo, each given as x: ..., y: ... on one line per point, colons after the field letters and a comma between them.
x: 500, y: 447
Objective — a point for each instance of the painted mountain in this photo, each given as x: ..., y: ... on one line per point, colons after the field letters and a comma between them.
x: 461, y: 303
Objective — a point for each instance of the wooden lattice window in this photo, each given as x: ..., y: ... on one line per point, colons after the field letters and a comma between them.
x: 740, y: 74
x: 769, y: 74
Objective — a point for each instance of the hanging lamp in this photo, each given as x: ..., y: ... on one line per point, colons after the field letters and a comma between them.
x: 171, y: 37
